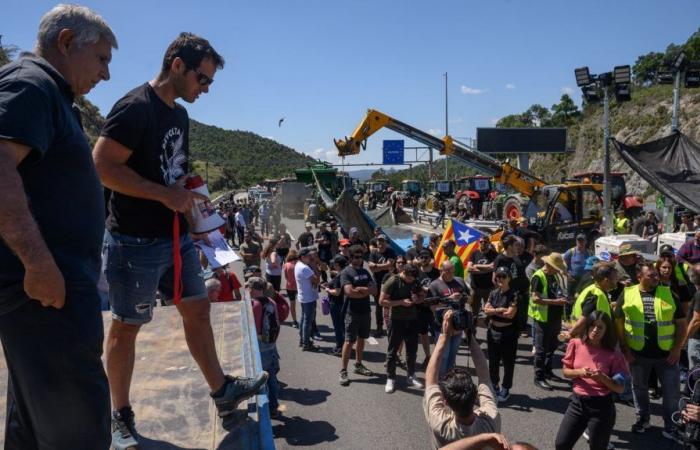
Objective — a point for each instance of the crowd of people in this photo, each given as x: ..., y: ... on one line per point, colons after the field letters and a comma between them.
x: 621, y: 325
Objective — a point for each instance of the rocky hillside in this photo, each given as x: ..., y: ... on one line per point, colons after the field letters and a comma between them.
x: 647, y: 117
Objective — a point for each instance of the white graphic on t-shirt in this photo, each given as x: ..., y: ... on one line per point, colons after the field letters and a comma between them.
x: 173, y: 160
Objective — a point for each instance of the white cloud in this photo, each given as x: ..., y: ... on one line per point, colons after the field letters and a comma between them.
x: 270, y: 137
x: 331, y: 155
x: 494, y: 121
x: 317, y: 153
x: 510, y: 86
x: 567, y: 90
x: 435, y: 131
x: 471, y: 91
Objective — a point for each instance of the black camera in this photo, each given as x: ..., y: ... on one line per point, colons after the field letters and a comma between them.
x: 461, y: 318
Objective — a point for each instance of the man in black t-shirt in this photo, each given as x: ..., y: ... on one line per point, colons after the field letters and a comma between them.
x: 306, y: 239
x: 358, y: 285
x: 510, y: 260
x: 413, y: 251
x: 455, y: 289
x: 480, y: 272
x: 336, y: 299
x: 51, y: 228
x: 649, y: 317
x: 381, y: 262
x: 142, y: 157
x: 402, y: 293
x: 427, y: 273
x: 323, y: 241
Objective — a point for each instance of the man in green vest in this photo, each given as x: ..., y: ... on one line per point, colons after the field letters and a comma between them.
x: 594, y: 297
x: 546, y: 307
x: 621, y: 223
x: 651, y: 328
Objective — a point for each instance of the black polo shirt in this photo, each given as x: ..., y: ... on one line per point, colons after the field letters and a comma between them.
x: 59, y: 176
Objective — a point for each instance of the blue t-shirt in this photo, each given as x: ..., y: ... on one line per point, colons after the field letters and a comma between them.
x: 576, y: 261
x: 58, y: 175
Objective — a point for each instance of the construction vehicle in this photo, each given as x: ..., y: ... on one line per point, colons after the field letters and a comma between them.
x: 412, y: 188
x: 633, y: 205
x: 557, y: 212
x: 438, y: 191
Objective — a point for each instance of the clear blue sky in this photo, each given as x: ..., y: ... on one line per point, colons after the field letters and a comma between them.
x: 322, y: 63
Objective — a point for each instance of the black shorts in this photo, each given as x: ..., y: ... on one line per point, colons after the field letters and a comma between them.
x: 425, y: 318
x: 357, y: 325
x: 292, y: 295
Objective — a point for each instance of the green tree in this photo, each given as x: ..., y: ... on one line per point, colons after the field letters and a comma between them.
x: 513, y: 121
x: 644, y: 69
x: 565, y: 112
x: 692, y: 46
x: 538, y: 116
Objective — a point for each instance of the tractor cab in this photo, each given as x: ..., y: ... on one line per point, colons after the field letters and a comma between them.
x: 632, y: 204
x: 411, y: 187
x: 560, y: 212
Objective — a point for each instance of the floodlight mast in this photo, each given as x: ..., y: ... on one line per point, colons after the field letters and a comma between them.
x: 676, y: 100
x: 607, y: 216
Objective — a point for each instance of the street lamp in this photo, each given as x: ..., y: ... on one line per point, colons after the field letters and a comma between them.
x: 591, y: 85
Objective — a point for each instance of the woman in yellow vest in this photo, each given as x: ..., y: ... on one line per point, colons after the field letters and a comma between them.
x: 621, y: 223
x: 546, y: 307
x: 651, y: 327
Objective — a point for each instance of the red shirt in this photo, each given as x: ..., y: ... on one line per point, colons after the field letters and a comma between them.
x: 579, y: 355
x: 289, y: 275
x: 229, y: 283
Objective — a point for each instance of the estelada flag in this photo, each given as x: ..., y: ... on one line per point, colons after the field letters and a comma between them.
x: 466, y: 240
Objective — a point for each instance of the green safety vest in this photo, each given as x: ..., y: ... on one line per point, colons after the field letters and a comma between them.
x: 664, y: 308
x: 602, y: 303
x: 534, y: 310
x: 681, y: 273
x: 621, y: 225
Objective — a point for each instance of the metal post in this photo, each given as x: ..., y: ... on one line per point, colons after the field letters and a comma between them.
x: 447, y: 127
x: 676, y: 100
x: 607, y: 221
x: 206, y: 172
x: 430, y: 164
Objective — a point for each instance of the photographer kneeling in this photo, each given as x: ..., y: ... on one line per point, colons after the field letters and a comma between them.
x: 449, y: 405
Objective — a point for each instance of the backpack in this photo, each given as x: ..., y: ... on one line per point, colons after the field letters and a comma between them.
x: 270, y: 324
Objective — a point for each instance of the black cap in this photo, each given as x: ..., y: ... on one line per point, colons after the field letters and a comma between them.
x: 425, y: 252
x: 580, y: 237
x: 382, y: 237
x: 503, y: 271
x: 340, y: 260
x: 666, y: 250
x: 306, y: 251
x: 251, y: 269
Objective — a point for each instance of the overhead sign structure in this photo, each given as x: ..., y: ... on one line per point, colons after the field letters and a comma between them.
x: 521, y: 140
x: 393, y: 152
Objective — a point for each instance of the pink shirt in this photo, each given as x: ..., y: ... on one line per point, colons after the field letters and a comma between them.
x: 579, y: 355
x: 289, y: 276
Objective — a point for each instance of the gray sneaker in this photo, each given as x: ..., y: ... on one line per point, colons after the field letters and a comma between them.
x: 124, y: 430
x: 344, y: 381
x: 237, y: 390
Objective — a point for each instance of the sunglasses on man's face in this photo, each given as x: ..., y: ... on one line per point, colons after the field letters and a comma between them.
x: 501, y: 277
x: 400, y: 262
x: 202, y: 78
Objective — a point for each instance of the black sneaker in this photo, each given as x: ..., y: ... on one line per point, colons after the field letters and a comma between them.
x: 124, y: 436
x: 309, y: 348
x: 344, y: 381
x: 672, y: 434
x: 237, y: 390
x: 337, y: 351
x: 295, y: 324
x: 641, y: 425
x: 401, y: 363
x: 553, y: 377
x: 378, y: 334
x: 360, y: 369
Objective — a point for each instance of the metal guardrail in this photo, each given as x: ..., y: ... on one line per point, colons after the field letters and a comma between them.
x: 250, y: 353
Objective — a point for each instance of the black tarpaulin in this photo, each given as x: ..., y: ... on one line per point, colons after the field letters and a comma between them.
x: 671, y: 165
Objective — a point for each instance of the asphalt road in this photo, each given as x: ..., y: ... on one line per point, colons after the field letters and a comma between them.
x: 320, y: 413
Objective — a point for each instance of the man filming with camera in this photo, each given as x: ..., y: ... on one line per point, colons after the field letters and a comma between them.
x: 455, y: 290
x: 450, y: 405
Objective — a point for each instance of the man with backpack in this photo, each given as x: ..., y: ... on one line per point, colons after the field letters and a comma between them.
x: 268, y: 315
x: 575, y: 259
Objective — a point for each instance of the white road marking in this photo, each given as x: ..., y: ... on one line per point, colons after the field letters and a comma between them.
x: 372, y: 341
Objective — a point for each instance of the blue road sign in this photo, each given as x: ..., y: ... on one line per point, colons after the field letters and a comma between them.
x: 393, y: 152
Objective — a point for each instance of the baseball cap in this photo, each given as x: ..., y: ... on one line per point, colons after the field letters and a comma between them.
x: 425, y: 252
x: 344, y: 242
x: 666, y: 250
x: 502, y: 271
x: 308, y: 224
x: 340, y: 259
x: 382, y: 237
x: 580, y: 237
x: 306, y: 251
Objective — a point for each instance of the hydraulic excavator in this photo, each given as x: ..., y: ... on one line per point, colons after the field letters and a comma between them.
x: 558, y: 212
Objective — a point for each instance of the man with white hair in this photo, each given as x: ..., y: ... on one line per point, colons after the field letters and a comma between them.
x: 50, y: 318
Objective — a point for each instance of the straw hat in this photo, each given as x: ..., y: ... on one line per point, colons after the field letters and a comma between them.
x: 627, y: 249
x: 556, y: 261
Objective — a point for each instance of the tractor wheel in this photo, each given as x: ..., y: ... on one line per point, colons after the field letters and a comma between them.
x: 430, y: 203
x: 512, y: 209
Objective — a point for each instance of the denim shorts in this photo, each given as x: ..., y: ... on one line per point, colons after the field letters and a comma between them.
x: 138, y: 267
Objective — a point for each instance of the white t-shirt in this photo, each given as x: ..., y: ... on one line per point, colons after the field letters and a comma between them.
x: 240, y: 220
x: 307, y: 293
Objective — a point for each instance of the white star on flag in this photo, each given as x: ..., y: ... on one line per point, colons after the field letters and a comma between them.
x: 464, y: 237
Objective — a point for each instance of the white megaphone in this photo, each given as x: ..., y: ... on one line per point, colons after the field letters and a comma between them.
x: 204, y: 215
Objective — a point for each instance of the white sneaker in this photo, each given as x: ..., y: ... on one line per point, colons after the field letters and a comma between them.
x: 534, y: 350
x: 389, y: 388
x: 413, y: 382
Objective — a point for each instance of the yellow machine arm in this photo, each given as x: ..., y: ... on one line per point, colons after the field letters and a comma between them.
x: 503, y: 173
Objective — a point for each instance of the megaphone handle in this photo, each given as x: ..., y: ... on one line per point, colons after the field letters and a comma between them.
x: 177, y: 261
